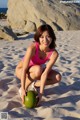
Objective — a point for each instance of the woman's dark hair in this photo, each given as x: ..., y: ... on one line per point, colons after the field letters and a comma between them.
x: 40, y: 31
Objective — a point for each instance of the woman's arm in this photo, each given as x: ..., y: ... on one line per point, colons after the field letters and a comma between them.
x: 30, y: 52
x: 49, y: 65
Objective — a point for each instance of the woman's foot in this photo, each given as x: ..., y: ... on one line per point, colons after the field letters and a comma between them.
x: 20, y: 91
x: 33, y: 87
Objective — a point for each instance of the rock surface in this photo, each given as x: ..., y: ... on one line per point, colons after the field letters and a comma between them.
x: 29, y: 14
x: 3, y: 16
x: 7, y: 33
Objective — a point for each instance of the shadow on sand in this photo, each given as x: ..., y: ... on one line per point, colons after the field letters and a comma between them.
x: 28, y: 36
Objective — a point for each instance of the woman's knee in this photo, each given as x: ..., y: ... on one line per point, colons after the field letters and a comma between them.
x: 17, y: 71
x: 38, y: 71
x: 58, y: 77
x: 18, y: 67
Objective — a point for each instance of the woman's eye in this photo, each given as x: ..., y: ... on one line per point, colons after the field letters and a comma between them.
x: 42, y: 37
x: 48, y: 36
x: 45, y: 37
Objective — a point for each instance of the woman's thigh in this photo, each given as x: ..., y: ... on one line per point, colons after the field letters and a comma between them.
x: 35, y: 70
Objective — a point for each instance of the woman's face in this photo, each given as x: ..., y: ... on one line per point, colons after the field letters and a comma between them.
x: 45, y: 39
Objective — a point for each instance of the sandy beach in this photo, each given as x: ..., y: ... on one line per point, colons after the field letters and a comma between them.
x: 60, y: 101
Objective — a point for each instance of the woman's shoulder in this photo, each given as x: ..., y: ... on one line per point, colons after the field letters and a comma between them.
x: 34, y: 45
x: 55, y: 52
x: 32, y: 48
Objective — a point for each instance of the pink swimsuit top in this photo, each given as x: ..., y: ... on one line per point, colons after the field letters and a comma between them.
x: 35, y: 60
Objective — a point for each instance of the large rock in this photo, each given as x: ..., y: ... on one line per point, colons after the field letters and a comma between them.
x: 30, y: 26
x: 29, y: 14
x: 7, y: 33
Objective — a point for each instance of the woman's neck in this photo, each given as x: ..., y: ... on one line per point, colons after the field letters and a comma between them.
x: 44, y: 49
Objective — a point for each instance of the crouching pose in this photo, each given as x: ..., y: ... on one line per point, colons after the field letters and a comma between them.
x: 32, y: 68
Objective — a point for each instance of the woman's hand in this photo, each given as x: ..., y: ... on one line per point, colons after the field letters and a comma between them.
x: 39, y: 98
x: 23, y: 94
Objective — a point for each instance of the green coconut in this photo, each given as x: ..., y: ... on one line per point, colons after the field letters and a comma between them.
x: 30, y: 100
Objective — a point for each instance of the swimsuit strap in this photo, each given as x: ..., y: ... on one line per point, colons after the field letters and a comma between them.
x: 37, y: 44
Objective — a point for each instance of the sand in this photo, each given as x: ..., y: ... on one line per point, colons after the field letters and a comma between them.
x: 60, y: 101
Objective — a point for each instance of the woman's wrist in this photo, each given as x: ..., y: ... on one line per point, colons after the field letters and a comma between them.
x: 41, y: 90
x: 41, y: 93
x: 22, y: 88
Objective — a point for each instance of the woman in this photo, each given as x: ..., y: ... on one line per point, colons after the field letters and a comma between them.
x: 32, y: 67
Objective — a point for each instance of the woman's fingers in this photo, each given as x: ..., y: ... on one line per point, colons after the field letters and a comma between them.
x: 23, y: 95
x: 23, y: 99
x: 39, y: 99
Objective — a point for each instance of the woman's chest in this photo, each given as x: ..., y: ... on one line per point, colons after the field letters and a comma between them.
x: 42, y: 55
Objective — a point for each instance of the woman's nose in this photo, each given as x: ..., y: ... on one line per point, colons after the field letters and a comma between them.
x: 45, y: 38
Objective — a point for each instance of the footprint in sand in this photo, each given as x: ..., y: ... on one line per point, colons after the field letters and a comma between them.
x: 21, y: 56
x: 65, y: 74
x: 8, y: 54
x: 75, y: 78
x: 6, y: 47
x: 68, y: 61
x: 62, y: 58
x: 8, y: 57
x: 24, y: 49
x: 65, y: 60
x: 1, y: 66
x: 2, y: 84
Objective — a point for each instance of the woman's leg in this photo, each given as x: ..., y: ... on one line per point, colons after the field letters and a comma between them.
x: 34, y: 73
x: 53, y: 77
